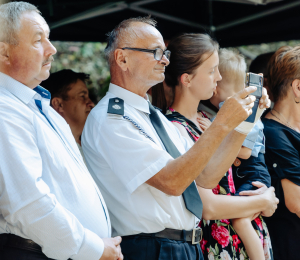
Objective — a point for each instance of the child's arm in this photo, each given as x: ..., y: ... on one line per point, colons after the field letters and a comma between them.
x: 249, y: 237
x: 244, y: 153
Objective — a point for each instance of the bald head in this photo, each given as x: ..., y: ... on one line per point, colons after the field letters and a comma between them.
x: 126, y: 33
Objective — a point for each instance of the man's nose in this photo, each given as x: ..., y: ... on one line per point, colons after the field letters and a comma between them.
x: 50, y: 49
x: 164, y: 60
x: 90, y: 103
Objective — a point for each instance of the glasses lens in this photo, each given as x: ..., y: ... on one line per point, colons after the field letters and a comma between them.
x: 168, y: 54
x: 158, y: 54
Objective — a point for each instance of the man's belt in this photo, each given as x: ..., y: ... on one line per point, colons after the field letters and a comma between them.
x: 10, y: 240
x: 194, y: 236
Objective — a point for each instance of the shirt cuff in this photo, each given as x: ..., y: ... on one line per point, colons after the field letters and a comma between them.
x: 92, y: 247
x: 249, y: 144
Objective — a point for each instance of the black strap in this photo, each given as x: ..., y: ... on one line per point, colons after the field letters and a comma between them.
x: 190, y: 196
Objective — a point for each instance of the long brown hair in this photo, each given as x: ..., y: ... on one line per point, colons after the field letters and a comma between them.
x: 187, y: 54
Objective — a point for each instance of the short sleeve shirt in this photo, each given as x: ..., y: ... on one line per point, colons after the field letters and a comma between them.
x: 121, y: 158
x: 283, y: 162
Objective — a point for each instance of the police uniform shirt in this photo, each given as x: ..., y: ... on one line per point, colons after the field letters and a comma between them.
x: 123, y: 151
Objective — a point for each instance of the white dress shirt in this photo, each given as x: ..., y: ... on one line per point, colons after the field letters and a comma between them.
x: 121, y: 159
x: 46, y: 191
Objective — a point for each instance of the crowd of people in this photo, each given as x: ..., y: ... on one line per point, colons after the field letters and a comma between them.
x: 131, y: 179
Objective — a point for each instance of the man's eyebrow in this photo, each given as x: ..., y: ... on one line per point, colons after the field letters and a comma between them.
x: 158, y: 46
x: 83, y: 91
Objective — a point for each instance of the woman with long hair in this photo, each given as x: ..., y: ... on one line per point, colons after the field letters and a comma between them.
x: 193, y: 75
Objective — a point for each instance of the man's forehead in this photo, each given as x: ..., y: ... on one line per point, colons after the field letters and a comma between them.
x: 147, y: 35
x: 34, y: 21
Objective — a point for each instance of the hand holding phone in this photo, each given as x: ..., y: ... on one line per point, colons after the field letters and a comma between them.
x: 257, y: 81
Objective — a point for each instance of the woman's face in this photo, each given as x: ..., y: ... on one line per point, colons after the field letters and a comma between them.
x: 204, y: 81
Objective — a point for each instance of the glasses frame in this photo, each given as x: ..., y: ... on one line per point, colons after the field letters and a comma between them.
x: 151, y: 51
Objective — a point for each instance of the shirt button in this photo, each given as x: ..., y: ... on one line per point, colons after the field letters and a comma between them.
x: 274, y: 165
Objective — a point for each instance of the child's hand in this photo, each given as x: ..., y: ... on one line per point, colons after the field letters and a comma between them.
x: 204, y: 123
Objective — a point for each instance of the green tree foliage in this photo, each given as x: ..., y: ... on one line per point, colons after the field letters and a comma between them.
x: 89, y: 58
x: 84, y: 57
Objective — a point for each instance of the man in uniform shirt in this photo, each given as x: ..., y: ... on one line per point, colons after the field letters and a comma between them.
x: 130, y: 149
x: 50, y: 207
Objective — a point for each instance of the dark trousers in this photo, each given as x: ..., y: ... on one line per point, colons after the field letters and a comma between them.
x: 153, y: 248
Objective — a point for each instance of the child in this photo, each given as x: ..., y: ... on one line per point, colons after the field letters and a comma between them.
x: 250, y: 164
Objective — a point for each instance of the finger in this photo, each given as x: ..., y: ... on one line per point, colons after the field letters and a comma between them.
x: 258, y: 184
x: 272, y: 188
x: 121, y: 257
x: 119, y: 251
x: 249, y: 193
x: 277, y: 201
x: 117, y: 241
x: 246, y: 91
x: 249, y: 100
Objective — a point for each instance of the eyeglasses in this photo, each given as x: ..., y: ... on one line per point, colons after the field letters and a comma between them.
x: 158, y: 52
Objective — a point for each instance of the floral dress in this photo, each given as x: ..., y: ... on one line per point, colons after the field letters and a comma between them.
x: 220, y: 241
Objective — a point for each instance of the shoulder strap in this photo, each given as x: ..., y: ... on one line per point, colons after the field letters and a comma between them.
x: 116, y: 106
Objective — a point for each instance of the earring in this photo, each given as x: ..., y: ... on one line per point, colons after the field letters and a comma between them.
x: 297, y: 102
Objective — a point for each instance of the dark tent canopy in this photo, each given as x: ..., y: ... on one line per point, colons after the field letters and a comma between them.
x: 231, y: 22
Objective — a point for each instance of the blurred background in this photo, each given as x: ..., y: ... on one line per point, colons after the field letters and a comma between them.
x: 79, y: 28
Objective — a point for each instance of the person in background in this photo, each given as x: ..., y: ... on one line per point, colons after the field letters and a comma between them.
x: 249, y: 166
x: 282, y: 131
x: 50, y: 207
x: 70, y: 98
x: 258, y: 65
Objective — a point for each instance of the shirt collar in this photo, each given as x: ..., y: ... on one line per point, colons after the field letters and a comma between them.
x: 130, y: 98
x: 21, y: 91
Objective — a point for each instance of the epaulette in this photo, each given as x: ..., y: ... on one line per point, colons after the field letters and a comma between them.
x: 116, y: 106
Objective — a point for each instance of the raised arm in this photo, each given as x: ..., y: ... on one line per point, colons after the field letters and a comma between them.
x: 178, y: 174
x: 227, y: 151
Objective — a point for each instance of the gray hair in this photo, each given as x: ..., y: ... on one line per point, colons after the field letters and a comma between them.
x: 10, y: 20
x: 118, y: 33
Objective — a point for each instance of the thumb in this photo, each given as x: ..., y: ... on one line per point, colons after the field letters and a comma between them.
x: 258, y: 184
x: 117, y: 240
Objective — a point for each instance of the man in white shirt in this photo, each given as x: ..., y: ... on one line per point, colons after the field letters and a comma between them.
x: 70, y: 98
x: 130, y: 150
x: 50, y: 207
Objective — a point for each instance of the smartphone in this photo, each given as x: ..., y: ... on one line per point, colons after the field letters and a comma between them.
x: 256, y: 80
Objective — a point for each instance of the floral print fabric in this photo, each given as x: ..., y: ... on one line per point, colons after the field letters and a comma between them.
x: 220, y: 241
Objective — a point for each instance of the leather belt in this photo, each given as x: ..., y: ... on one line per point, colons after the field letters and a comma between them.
x: 194, y: 236
x: 10, y: 240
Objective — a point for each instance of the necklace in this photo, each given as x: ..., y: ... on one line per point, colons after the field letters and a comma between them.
x: 286, y: 121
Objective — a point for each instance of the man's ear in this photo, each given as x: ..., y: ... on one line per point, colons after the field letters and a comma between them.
x: 57, y: 104
x: 121, y: 59
x: 4, y: 53
x: 185, y: 79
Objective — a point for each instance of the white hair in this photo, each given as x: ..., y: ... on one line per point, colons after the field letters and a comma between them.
x: 10, y: 20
